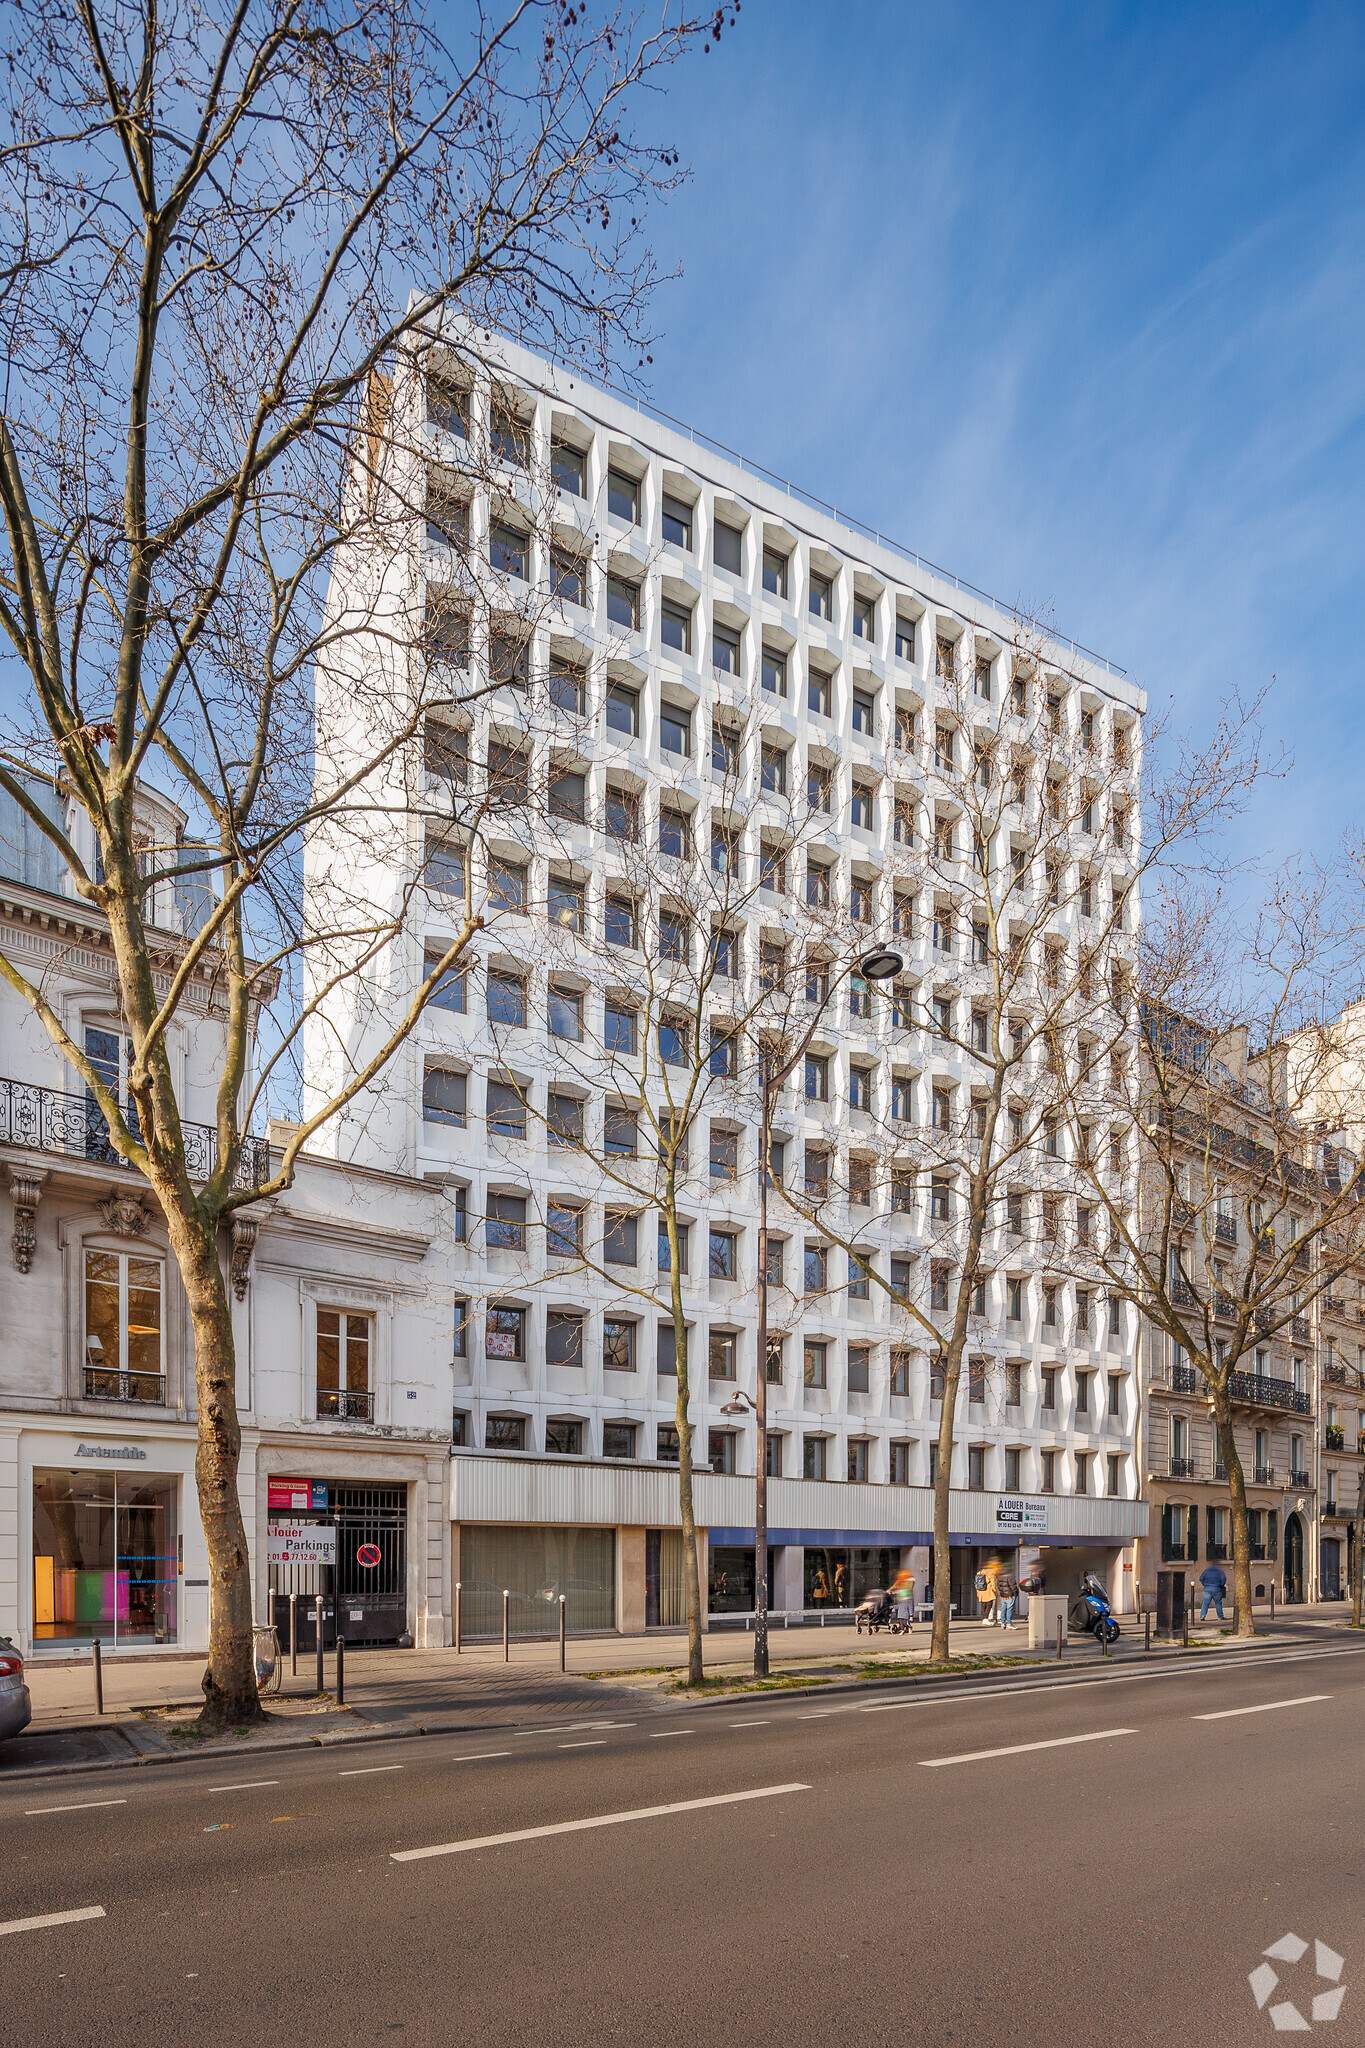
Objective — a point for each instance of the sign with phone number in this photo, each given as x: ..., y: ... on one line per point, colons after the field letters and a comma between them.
x: 1015, y: 1516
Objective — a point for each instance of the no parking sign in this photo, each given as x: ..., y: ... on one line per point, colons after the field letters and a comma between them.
x: 369, y: 1555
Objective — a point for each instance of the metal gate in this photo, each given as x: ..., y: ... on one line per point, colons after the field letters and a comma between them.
x: 371, y: 1599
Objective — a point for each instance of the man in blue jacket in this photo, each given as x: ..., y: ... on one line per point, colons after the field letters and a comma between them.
x: 1214, y: 1580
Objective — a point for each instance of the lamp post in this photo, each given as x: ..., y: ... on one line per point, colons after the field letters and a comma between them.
x: 881, y: 963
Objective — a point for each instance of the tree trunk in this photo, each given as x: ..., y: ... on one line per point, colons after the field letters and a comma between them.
x: 943, y: 1575
x: 230, y: 1695
x: 1243, y: 1620
x: 691, y: 1577
x: 1358, y: 1561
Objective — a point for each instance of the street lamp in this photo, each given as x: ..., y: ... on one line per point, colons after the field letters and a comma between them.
x: 879, y: 963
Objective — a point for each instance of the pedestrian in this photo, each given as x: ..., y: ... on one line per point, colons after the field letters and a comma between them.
x: 984, y: 1584
x: 1214, y: 1580
x: 1007, y: 1594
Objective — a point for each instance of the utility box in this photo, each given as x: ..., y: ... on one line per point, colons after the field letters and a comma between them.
x: 1045, y: 1610
x: 1170, y: 1603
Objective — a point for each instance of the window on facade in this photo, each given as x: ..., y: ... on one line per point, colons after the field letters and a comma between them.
x: 677, y: 523
x: 507, y: 549
x: 620, y: 921
x: 774, y: 671
x: 721, y: 1259
x: 724, y: 1153
x: 859, y: 1267
x: 507, y: 887
x: 568, y: 791
x: 859, y: 1368
x: 819, y: 788
x: 505, y: 1433
x: 816, y: 1269
x: 563, y: 1230
x: 618, y: 1345
x: 821, y: 598
x: 817, y: 1078
x: 675, y: 731
x: 506, y: 997
x: 123, y: 1360
x: 623, y: 710
x: 725, y: 955
x: 618, y: 1439
x: 623, y: 496
x: 620, y: 1132
x: 816, y: 1171
x: 564, y: 904
x: 564, y: 1120
x: 506, y: 1110
x: 720, y: 1450
x: 773, y: 771
x: 774, y: 573
x: 569, y: 468
x: 563, y: 1439
x: 721, y: 1354
x: 509, y: 436
x: 864, y: 713
x: 623, y: 604
x: 727, y: 548
x: 444, y: 1093
x: 445, y: 752
x: 443, y: 865
x: 724, y: 649
x: 343, y: 1365
x: 620, y: 1237
x: 569, y: 583
x: 666, y: 1443
x: 622, y: 815
x: 665, y: 1250
x: 448, y: 405
x: 505, y: 1227
x: 675, y: 631
x: 862, y: 807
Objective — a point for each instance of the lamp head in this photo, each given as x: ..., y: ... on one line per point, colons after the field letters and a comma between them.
x: 881, y: 964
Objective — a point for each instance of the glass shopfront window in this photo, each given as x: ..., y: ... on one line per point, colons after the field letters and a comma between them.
x: 535, y: 1566
x: 730, y: 1578
x: 105, y: 1557
x: 841, y: 1578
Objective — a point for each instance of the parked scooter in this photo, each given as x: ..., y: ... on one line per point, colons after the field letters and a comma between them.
x: 1091, y: 1612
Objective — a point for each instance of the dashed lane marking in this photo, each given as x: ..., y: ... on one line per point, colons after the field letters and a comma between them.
x: 51, y: 1920
x: 599, y: 1820
x: 978, y: 1756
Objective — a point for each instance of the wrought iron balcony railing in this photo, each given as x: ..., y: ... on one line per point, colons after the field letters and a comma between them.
x: 1181, y: 1468
x: 349, y: 1404
x: 101, y: 1384
x: 1258, y: 1390
x: 56, y: 1120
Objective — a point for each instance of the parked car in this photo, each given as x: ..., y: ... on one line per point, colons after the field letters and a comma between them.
x: 16, y: 1708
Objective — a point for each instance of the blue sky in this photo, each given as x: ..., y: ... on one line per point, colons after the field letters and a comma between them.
x: 1068, y: 299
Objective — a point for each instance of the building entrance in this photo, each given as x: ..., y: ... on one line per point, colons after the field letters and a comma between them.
x: 365, y: 1594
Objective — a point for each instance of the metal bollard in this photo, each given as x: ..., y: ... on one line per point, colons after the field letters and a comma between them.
x: 1185, y: 1623
x: 1147, y: 1634
x: 1272, y: 1599
x: 561, y: 1631
x: 341, y: 1670
x: 1060, y: 1626
x: 317, y: 1622
x: 506, y: 1596
x: 458, y: 1644
x: 99, y: 1675
x: 293, y: 1635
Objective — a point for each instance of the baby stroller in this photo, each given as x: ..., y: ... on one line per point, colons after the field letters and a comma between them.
x: 879, y: 1611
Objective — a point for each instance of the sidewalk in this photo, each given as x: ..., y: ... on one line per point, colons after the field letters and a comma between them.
x: 400, y: 1691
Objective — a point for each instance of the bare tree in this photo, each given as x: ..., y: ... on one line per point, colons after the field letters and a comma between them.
x: 212, y: 349
x: 1014, y: 888
x: 666, y: 945
x: 1249, y: 1211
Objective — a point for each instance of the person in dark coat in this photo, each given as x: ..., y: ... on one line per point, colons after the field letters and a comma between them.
x: 1214, y: 1580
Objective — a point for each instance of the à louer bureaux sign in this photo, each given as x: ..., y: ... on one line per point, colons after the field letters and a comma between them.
x: 1017, y: 1516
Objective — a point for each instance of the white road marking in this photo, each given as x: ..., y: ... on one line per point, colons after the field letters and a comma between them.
x: 52, y: 1919
x: 480, y: 1756
x: 749, y: 1724
x: 370, y: 1771
x: 600, y: 1820
x: 662, y: 1734
x: 84, y: 1806
x: 250, y: 1785
x: 597, y: 1742
x: 1309, y: 1699
x: 825, y: 1714
x: 977, y: 1756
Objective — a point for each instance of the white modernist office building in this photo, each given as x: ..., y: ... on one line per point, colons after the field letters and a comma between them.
x: 670, y: 589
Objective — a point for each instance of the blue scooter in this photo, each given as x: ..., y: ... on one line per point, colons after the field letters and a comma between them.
x: 1092, y: 1613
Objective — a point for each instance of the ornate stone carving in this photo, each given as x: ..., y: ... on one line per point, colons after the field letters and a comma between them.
x: 24, y: 1191
x: 245, y: 1230
x: 124, y: 1214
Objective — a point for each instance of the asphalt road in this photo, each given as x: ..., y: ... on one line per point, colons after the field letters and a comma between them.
x: 1059, y: 1860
